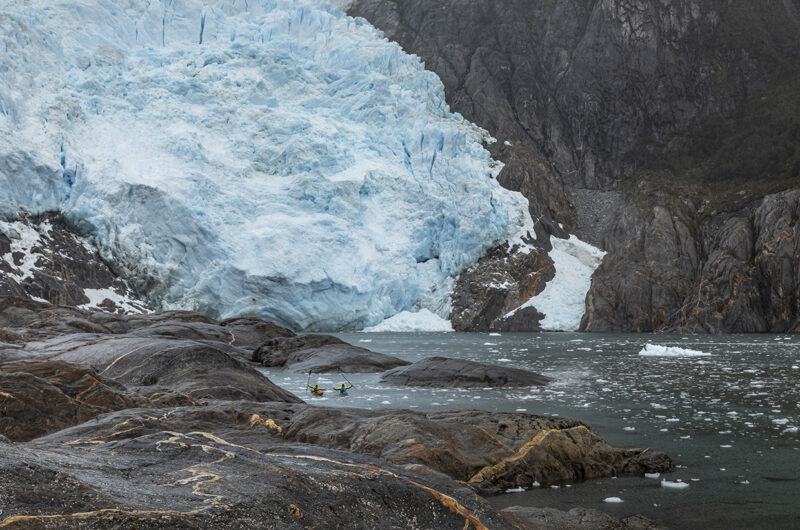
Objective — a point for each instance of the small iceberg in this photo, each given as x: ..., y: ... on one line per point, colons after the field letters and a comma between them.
x: 656, y: 350
x: 674, y: 485
x: 652, y: 475
x: 405, y: 321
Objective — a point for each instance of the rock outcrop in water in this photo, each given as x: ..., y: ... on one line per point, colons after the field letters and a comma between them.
x: 322, y: 353
x: 444, y: 372
x: 532, y: 518
x: 664, y: 132
x: 159, y: 420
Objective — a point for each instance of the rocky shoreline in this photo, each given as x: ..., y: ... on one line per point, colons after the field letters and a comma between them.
x: 162, y: 420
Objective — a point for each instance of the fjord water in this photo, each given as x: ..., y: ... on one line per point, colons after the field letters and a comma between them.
x: 729, y: 420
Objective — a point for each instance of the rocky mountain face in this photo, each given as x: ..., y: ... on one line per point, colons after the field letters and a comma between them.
x: 664, y: 132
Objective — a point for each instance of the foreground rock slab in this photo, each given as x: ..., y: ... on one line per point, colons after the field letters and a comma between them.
x: 444, y: 372
x: 159, y: 421
x: 200, y: 480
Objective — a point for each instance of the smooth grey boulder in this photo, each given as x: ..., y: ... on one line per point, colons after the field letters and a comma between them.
x: 578, y: 518
x: 445, y: 372
x: 322, y: 353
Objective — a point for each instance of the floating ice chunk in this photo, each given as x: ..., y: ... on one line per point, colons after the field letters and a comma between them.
x: 674, y: 485
x: 628, y: 429
x: 652, y: 475
x: 657, y: 350
x: 535, y: 484
x: 406, y: 321
x: 386, y: 402
x: 612, y: 499
x: 365, y: 340
x: 726, y: 446
x: 494, y: 334
x: 515, y: 490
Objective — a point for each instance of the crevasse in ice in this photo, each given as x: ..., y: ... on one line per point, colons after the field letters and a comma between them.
x: 276, y: 158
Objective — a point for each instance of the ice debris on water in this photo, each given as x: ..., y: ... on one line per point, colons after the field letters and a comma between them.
x: 515, y: 490
x: 612, y: 499
x: 676, y: 485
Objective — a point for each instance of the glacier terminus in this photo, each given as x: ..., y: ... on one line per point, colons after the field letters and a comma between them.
x: 240, y: 158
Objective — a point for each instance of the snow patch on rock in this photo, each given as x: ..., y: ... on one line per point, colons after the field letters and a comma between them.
x: 563, y: 300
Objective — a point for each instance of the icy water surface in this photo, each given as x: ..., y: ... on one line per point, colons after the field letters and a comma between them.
x: 730, y: 420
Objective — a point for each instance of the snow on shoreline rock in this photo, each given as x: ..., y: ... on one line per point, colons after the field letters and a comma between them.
x: 563, y: 300
x: 657, y: 350
x: 276, y: 158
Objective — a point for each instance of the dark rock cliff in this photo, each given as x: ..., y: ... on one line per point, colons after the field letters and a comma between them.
x: 665, y: 132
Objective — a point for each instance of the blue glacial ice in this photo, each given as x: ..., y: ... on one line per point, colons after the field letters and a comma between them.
x: 271, y: 157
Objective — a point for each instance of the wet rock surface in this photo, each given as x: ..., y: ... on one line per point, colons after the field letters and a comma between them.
x: 177, y: 429
x: 320, y: 354
x: 445, y: 372
x: 609, y: 121
x: 531, y: 518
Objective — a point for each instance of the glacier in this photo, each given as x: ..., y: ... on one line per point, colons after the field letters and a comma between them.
x: 274, y: 158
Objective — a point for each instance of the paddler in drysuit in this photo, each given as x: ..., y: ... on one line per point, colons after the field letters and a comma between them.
x: 343, y: 389
x: 316, y: 388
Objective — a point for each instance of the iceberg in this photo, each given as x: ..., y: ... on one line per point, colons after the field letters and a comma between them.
x: 422, y: 320
x: 656, y: 350
x: 271, y: 157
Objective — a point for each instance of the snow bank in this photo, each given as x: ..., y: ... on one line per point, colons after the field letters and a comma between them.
x: 563, y: 300
x: 422, y: 320
x: 270, y: 157
x: 656, y: 350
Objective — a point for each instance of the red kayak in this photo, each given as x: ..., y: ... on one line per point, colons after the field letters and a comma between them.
x: 317, y: 392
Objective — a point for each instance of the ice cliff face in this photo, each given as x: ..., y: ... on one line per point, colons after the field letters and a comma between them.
x: 275, y: 158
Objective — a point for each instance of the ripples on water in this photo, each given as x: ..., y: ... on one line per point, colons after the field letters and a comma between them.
x: 730, y: 420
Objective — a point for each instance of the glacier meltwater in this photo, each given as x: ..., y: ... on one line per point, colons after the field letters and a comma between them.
x: 268, y: 157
